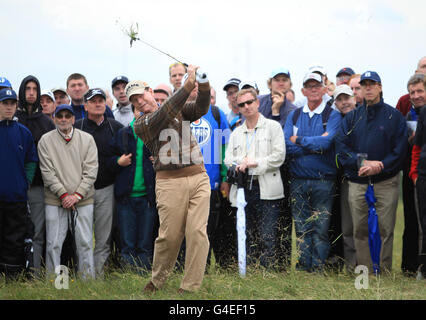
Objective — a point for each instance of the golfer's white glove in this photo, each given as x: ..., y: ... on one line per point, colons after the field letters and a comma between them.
x: 201, y: 77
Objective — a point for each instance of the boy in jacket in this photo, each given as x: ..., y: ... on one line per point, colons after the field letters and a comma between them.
x: 18, y: 160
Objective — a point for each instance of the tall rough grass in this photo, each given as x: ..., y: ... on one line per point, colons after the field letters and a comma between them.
x: 228, y: 285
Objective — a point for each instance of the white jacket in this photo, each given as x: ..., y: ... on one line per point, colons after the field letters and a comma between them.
x: 267, y: 148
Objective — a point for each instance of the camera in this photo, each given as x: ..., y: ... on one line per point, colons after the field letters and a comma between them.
x: 236, y: 177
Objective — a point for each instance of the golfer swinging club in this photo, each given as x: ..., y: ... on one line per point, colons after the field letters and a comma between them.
x: 182, y: 185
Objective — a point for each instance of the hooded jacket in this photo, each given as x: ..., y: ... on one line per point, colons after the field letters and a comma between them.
x: 37, y: 122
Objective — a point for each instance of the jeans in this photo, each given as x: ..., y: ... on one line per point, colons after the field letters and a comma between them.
x: 136, y: 218
x: 311, y: 205
x: 262, y: 227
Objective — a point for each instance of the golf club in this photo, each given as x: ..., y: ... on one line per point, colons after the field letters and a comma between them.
x: 133, y: 34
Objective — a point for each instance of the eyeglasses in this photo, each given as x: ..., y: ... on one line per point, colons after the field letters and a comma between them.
x: 313, y: 86
x: 343, y: 78
x: 248, y: 102
x: 64, y: 115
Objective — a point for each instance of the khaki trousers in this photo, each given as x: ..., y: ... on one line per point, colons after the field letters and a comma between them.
x: 183, y: 207
x: 386, y: 193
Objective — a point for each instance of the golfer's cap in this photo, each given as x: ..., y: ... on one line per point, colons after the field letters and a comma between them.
x: 248, y: 84
x: 312, y: 76
x: 232, y: 82
x: 135, y: 87
x: 94, y: 92
x: 370, y: 75
x: 278, y: 71
x: 343, y: 89
x: 5, y: 83
x: 59, y: 89
x: 347, y: 71
x: 49, y: 94
x: 119, y: 79
x: 8, y: 94
x: 316, y: 67
x: 64, y: 107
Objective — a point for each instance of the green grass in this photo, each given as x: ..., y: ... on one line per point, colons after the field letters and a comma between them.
x: 226, y: 285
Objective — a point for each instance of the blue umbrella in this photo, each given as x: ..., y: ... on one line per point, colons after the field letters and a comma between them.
x: 374, y: 240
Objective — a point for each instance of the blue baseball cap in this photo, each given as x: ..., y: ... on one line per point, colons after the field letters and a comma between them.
x: 5, y: 83
x: 63, y: 107
x: 8, y: 94
x: 278, y: 71
x: 119, y: 79
x: 347, y: 71
x: 370, y: 75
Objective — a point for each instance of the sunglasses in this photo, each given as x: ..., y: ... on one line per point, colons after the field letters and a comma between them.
x: 248, y: 102
x: 64, y: 115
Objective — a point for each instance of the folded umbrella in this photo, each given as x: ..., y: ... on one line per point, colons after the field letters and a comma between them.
x: 374, y: 240
x: 241, y: 231
x: 72, y: 222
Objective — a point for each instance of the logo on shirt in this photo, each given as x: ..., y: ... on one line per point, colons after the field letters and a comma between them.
x: 202, y: 131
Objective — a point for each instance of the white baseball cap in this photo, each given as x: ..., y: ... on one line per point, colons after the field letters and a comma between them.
x: 344, y: 88
x: 312, y: 76
x: 49, y: 94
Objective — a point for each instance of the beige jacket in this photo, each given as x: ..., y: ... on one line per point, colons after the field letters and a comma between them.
x: 68, y: 167
x: 267, y: 147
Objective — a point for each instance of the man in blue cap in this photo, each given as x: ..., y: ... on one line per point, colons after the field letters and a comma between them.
x: 378, y: 131
x: 18, y: 160
x: 69, y: 166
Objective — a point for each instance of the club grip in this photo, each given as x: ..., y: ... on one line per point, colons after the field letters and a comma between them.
x: 200, y: 75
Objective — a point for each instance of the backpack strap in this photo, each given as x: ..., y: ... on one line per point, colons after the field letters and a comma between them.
x: 326, y: 113
x: 296, y: 115
x: 216, y: 115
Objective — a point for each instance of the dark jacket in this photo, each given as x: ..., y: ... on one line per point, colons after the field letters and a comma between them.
x: 379, y: 131
x: 124, y: 142
x: 16, y: 149
x: 103, y: 135
x: 265, y: 108
x: 420, y: 141
x: 37, y: 122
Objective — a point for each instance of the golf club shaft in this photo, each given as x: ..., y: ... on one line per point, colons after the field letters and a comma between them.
x: 185, y: 64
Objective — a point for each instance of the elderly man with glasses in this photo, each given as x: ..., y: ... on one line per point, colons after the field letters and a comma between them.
x: 309, y: 134
x: 69, y: 166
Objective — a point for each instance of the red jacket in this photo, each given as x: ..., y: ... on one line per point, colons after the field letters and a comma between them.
x: 404, y: 104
